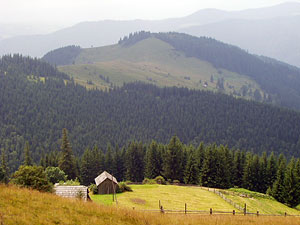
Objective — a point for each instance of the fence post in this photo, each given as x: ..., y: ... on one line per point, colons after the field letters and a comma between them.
x: 245, y: 209
x: 210, y: 211
x: 257, y: 213
x: 159, y: 204
x: 162, y: 209
x: 233, y: 212
x: 285, y: 214
x: 185, y: 208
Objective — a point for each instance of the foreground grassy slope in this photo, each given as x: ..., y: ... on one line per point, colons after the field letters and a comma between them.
x: 171, y: 197
x: 22, y: 206
x: 152, y: 61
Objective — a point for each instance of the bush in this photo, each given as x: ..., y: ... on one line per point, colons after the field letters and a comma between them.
x: 32, y: 177
x: 149, y: 181
x: 160, y: 180
x: 70, y: 183
x: 176, y: 182
x: 55, y: 174
x: 94, y: 189
x: 122, y: 187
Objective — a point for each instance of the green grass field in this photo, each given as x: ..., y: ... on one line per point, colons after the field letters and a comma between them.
x: 171, y: 197
x: 152, y: 61
x: 174, y: 198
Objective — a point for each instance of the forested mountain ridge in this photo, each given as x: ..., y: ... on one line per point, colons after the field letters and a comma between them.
x: 267, y: 80
x: 38, y: 111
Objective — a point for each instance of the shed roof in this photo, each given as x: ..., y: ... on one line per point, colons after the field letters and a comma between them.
x: 103, y: 176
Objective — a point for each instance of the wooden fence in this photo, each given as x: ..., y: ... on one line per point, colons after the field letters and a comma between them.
x: 207, y: 212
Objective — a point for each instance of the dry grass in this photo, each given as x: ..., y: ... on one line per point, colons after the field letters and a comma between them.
x: 23, y: 206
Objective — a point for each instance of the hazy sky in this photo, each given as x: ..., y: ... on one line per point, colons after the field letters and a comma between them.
x: 67, y: 12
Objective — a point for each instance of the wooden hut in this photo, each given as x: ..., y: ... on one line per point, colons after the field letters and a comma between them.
x: 106, y: 183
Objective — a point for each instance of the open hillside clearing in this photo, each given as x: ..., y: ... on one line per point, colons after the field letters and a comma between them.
x: 23, y: 206
x: 151, y: 61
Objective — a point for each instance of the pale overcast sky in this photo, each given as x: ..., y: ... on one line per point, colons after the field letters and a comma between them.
x: 67, y: 12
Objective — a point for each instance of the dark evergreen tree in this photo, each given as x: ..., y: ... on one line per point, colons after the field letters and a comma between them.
x: 109, y: 163
x: 134, y: 162
x: 291, y: 185
x: 278, y: 190
x: 27, y: 157
x: 271, y: 170
x: 263, y: 177
x: 153, y: 161
x: 67, y: 160
x: 4, y: 168
x: 238, y: 168
x: 119, y: 164
x: 208, y: 171
x: 191, y: 172
x: 173, y: 160
x: 86, y: 168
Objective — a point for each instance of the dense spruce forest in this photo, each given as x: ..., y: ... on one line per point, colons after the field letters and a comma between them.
x: 37, y: 102
x: 62, y: 56
x: 280, y: 80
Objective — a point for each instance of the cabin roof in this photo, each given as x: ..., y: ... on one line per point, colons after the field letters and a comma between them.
x: 103, y: 176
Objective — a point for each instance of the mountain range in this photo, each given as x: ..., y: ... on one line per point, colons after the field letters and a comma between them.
x: 271, y: 31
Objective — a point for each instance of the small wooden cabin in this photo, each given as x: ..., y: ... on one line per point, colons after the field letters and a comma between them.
x: 106, y: 183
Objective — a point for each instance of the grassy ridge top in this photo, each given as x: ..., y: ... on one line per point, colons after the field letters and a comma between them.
x: 152, y: 61
x: 23, y: 206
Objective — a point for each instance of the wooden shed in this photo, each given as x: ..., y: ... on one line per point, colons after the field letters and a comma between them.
x: 106, y: 183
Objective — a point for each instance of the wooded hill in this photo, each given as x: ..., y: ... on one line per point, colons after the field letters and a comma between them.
x: 199, y: 62
x: 35, y: 106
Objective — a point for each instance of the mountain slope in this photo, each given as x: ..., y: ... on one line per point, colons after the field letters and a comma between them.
x: 153, y: 61
x: 36, y: 110
x: 107, y: 32
x: 174, y: 59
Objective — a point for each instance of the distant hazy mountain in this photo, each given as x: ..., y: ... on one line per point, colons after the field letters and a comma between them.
x: 275, y: 28
x: 278, y: 37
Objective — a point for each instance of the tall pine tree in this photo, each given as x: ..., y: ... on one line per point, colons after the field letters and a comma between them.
x: 67, y: 160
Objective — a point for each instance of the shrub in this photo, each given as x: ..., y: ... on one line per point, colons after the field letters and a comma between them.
x: 70, y: 183
x: 55, y: 174
x: 176, y: 182
x: 149, y: 181
x: 160, y: 180
x: 122, y: 187
x: 32, y: 177
x: 94, y: 189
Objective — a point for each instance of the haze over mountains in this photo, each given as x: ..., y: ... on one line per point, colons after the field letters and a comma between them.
x: 256, y: 30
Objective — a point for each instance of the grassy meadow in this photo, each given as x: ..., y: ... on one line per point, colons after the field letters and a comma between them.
x: 151, y: 61
x: 174, y: 198
x: 23, y: 206
x: 171, y: 197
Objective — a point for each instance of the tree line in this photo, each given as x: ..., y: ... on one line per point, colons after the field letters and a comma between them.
x: 212, y: 165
